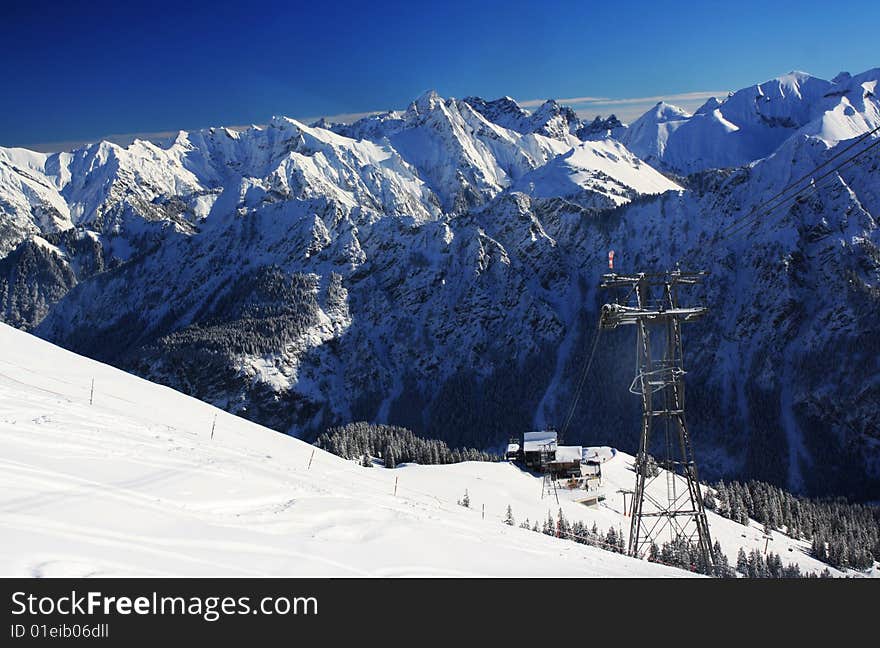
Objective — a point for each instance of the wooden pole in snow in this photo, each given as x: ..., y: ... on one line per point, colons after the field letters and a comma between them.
x: 310, y: 459
x: 395, y: 486
x: 92, y: 392
x: 213, y: 425
x: 484, y: 511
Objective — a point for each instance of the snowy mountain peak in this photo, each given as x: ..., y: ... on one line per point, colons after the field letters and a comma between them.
x: 427, y: 101
x: 180, y: 139
x: 601, y: 128
x: 796, y: 76
x: 664, y: 111
x: 754, y: 121
x: 598, y: 175
x: 549, y: 108
x: 280, y: 122
x: 505, y: 112
x: 553, y: 120
x: 712, y: 103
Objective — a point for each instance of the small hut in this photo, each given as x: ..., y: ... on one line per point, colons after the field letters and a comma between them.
x: 567, y: 462
x: 539, y: 448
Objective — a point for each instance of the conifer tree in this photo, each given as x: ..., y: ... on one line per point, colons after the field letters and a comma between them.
x: 549, y: 525
x: 508, y: 518
x: 742, y: 562
x: 563, y: 530
x: 611, y: 539
x: 722, y: 566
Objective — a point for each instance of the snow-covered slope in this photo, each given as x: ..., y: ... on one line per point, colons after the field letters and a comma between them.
x: 599, y: 174
x: 134, y: 484
x: 650, y: 133
x: 752, y: 123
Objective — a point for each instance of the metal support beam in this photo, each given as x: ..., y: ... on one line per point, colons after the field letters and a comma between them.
x: 651, y: 305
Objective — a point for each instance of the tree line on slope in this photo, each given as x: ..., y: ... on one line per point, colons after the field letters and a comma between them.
x: 842, y: 534
x: 394, y: 445
x: 263, y: 312
x: 678, y: 553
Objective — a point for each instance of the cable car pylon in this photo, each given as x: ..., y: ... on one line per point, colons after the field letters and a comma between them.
x: 652, y: 303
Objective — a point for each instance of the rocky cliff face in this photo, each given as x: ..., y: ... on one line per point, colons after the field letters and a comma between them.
x: 438, y: 267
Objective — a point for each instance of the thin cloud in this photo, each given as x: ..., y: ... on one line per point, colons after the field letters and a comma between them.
x: 607, y: 101
x: 683, y: 96
x: 343, y: 118
x: 159, y: 137
x: 629, y: 109
x: 534, y: 103
x: 122, y: 139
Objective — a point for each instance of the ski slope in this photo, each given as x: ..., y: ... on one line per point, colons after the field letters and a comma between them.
x: 134, y: 485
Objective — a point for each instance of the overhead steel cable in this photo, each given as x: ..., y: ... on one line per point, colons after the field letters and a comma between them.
x: 581, y: 381
x: 753, y: 217
x: 780, y: 199
x: 806, y: 176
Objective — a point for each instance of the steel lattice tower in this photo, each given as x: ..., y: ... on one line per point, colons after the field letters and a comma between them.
x: 651, y: 305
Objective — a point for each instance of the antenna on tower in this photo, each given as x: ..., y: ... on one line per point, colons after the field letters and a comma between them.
x: 652, y: 303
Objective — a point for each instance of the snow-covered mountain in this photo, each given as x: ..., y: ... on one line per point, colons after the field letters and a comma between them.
x: 600, y: 174
x: 436, y: 268
x: 146, y: 481
x: 752, y: 123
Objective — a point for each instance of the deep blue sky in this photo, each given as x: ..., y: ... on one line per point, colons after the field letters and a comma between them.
x: 81, y: 72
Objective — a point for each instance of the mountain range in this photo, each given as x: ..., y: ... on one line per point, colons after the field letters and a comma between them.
x: 437, y: 267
